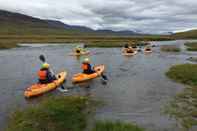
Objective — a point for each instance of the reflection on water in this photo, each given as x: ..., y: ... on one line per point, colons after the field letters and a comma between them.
x: 136, y: 91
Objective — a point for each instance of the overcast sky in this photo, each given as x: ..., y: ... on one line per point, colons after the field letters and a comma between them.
x: 152, y: 16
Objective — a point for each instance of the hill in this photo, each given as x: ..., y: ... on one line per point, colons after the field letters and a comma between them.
x: 19, y: 24
x: 192, y: 34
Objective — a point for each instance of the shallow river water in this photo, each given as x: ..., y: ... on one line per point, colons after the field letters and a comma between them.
x: 136, y: 92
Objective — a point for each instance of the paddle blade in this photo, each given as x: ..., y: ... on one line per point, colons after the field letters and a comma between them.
x: 42, y: 58
x: 104, y: 77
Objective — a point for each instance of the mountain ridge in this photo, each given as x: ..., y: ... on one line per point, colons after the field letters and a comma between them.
x: 17, y: 23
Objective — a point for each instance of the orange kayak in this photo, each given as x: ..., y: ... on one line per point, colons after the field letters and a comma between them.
x: 81, y: 77
x: 38, y: 89
x: 129, y: 54
x: 148, y: 51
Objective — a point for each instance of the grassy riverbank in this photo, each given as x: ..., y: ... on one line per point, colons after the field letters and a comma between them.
x: 191, y: 46
x: 183, y: 107
x: 115, y: 126
x: 69, y: 113
x: 7, y: 45
x: 96, y: 41
x: 170, y: 48
x: 186, y: 74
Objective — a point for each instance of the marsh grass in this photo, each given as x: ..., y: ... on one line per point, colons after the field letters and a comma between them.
x: 170, y: 48
x: 191, y: 46
x: 53, y: 114
x: 185, y: 73
x: 7, y: 45
x: 115, y: 126
x: 183, y: 107
x: 91, y: 41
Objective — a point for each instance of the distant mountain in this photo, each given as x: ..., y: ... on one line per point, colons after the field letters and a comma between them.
x: 16, y: 23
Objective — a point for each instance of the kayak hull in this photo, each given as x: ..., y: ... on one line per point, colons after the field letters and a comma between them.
x: 130, y: 54
x: 81, y: 77
x: 39, y: 89
x: 147, y: 52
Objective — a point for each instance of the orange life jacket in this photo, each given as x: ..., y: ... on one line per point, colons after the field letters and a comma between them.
x: 84, y: 66
x: 42, y: 74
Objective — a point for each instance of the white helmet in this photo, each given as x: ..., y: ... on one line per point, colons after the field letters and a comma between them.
x: 86, y: 60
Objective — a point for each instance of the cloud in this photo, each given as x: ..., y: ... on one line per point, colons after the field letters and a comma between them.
x: 153, y: 16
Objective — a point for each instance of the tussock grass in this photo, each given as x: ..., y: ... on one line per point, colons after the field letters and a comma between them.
x: 185, y: 73
x: 191, y: 46
x: 53, y: 114
x: 7, y: 45
x: 115, y: 126
x: 170, y: 48
x: 183, y: 107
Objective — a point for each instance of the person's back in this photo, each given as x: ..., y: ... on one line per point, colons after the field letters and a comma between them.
x: 45, y: 75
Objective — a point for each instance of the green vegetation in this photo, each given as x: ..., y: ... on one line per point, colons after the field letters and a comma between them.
x: 191, y: 46
x: 115, y: 126
x: 7, y: 45
x: 184, y: 108
x: 54, y: 114
x: 91, y: 41
x: 63, y: 113
x: 192, y: 34
x: 109, y: 44
x: 186, y: 74
x: 170, y: 48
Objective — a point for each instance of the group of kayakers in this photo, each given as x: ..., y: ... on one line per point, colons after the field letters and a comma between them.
x: 132, y: 49
x: 49, y: 81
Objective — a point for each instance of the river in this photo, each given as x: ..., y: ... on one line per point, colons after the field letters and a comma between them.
x: 136, y: 91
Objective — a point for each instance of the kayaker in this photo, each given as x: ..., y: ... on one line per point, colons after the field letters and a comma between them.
x: 44, y: 74
x: 86, y: 66
x: 148, y: 48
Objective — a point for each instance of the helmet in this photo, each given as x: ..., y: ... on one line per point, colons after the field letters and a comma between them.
x: 86, y: 60
x: 45, y: 65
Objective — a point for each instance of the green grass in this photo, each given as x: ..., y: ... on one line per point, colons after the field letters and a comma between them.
x: 7, y: 45
x: 192, y: 34
x: 54, y: 114
x: 91, y: 41
x: 170, y: 48
x: 191, y: 46
x: 185, y: 73
x: 183, y: 107
x: 109, y: 44
x: 63, y: 113
x: 115, y: 126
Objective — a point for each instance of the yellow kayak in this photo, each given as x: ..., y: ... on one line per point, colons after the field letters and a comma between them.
x: 81, y: 77
x: 38, y: 89
x: 81, y: 53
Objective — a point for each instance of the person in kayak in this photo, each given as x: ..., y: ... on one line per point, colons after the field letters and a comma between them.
x: 44, y: 74
x: 127, y: 49
x: 78, y: 50
x: 86, y: 67
x: 148, y: 48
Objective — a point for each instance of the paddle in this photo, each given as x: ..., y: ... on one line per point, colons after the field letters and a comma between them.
x: 43, y: 59
x: 104, y: 77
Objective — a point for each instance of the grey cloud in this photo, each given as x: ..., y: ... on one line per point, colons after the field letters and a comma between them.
x: 153, y: 16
